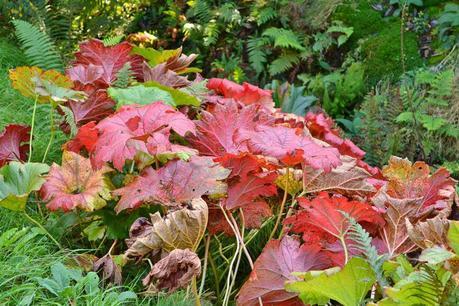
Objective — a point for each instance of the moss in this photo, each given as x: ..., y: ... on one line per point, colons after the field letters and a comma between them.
x: 383, y: 55
x: 362, y: 17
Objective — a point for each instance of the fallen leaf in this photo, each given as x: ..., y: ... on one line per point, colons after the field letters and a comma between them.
x: 13, y: 145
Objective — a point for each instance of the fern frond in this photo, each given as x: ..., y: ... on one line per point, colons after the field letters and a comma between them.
x: 211, y: 33
x: 265, y: 15
x: 124, y: 76
x: 69, y: 118
x: 283, y: 63
x: 257, y: 53
x: 229, y: 13
x: 37, y: 46
x: 112, y: 40
x: 202, y: 11
x: 361, y: 241
x: 284, y: 38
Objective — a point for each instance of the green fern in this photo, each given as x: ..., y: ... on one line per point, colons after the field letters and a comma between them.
x: 38, y: 47
x: 211, y: 33
x: 284, y: 38
x: 361, y: 241
x: 283, y: 63
x: 112, y: 40
x: 202, y: 11
x: 69, y: 118
x: 124, y: 76
x: 265, y: 15
x: 257, y: 53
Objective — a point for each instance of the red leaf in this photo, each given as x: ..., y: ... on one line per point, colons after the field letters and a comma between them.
x: 86, y: 137
x: 12, y: 141
x: 246, y: 93
x: 248, y: 180
x: 286, y: 145
x: 87, y: 78
x: 321, y: 221
x: 96, y: 107
x: 177, y: 182
x: 412, y: 181
x: 217, y: 130
x: 125, y: 132
x: 110, y: 59
x: 274, y: 267
x: 321, y: 127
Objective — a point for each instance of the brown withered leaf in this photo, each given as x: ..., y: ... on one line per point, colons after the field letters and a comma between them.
x: 346, y: 178
x: 174, y: 271
x: 394, y: 235
x: 111, y: 270
x: 179, y: 229
x: 430, y: 232
x: 161, y: 74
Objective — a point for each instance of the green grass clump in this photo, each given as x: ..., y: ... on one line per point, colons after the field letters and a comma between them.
x: 383, y: 56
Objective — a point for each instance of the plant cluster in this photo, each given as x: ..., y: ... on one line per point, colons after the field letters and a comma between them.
x: 207, y: 185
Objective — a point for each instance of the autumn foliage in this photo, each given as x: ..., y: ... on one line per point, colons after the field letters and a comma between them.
x: 233, y: 164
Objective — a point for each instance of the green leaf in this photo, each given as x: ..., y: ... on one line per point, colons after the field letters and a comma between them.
x: 453, y: 235
x: 95, y: 231
x: 357, y: 277
x: 179, y: 97
x: 284, y: 38
x: 405, y: 117
x: 17, y: 181
x: 435, y: 255
x: 139, y: 95
x: 153, y: 56
x: 432, y: 123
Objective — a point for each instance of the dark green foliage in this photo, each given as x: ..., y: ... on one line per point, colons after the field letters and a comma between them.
x: 383, y: 53
x: 38, y: 46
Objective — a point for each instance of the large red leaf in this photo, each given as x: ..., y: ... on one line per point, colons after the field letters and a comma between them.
x: 245, y: 93
x: 248, y: 180
x: 124, y: 134
x: 176, y: 183
x: 75, y: 185
x: 321, y: 127
x: 413, y: 181
x: 217, y: 130
x: 111, y: 59
x: 96, y: 107
x: 322, y: 222
x: 12, y: 140
x: 285, y: 144
x: 274, y: 267
x: 86, y: 138
x: 87, y: 77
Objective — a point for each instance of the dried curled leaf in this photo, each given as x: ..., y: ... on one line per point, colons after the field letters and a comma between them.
x: 111, y: 271
x: 12, y: 140
x: 176, y: 183
x: 161, y: 74
x: 31, y: 81
x: 174, y: 271
x: 429, y: 233
x: 75, y: 185
x: 179, y: 229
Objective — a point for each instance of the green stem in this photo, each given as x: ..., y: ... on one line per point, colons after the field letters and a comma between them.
x: 43, y: 229
x: 51, y: 138
x: 194, y: 288
x: 215, y: 273
x: 32, y: 125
